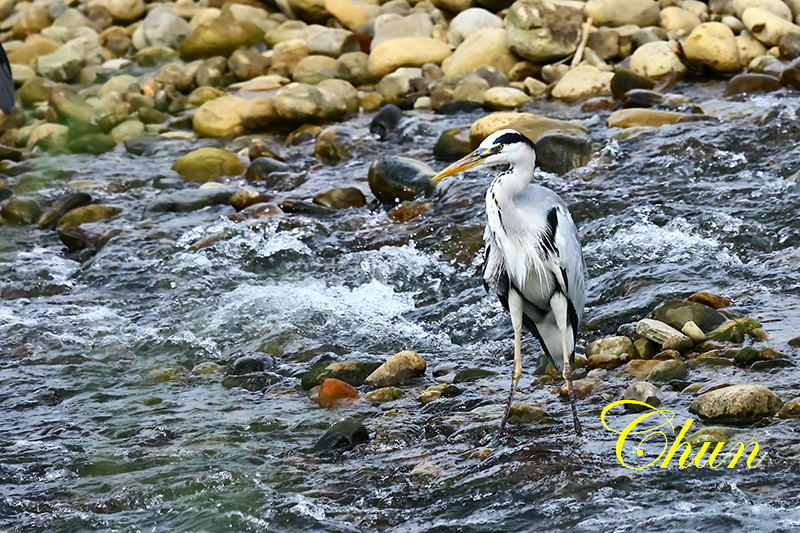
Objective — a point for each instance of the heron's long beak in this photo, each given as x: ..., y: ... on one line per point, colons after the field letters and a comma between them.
x: 470, y: 160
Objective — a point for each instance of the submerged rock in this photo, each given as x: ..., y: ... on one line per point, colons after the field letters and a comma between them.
x: 206, y: 164
x: 737, y: 403
x: 383, y: 395
x: 21, y: 210
x: 642, y: 391
x: 472, y: 374
x: 525, y: 413
x: 344, y: 434
x: 667, y: 371
x: 351, y: 372
x: 87, y: 214
x: 734, y: 330
x: 341, y: 198
x: 559, y: 152
x: 453, y: 144
x: 335, y: 393
x: 191, y: 200
x: 385, y: 121
x: 397, y: 369
x: 677, y: 313
x: 248, y: 364
x: 393, y: 179
x: 712, y: 300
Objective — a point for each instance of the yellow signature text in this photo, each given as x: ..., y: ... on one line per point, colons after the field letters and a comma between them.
x: 654, y: 427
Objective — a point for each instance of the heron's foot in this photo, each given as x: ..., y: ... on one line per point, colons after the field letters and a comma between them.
x: 568, y: 378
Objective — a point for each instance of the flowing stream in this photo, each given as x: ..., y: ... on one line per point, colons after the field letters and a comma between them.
x: 93, y: 439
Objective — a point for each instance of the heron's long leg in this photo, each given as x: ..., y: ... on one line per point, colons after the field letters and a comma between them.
x: 568, y: 378
x: 517, y: 372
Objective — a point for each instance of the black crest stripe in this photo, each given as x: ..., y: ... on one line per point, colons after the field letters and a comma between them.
x: 514, y: 137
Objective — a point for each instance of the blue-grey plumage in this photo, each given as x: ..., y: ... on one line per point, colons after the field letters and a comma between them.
x: 7, y: 92
x: 533, y: 259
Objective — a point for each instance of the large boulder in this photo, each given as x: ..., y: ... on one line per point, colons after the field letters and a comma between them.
x: 542, y: 31
x: 530, y: 125
x: 737, y: 403
x: 713, y: 44
x: 406, y: 52
x: 622, y: 12
x: 480, y: 49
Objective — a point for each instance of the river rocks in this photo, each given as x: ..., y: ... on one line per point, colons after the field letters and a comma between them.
x: 353, y: 67
x: 190, y: 200
x: 383, y: 395
x: 749, y: 83
x: 481, y: 48
x: 791, y: 74
x: 790, y: 410
x: 662, y: 333
x: 470, y: 21
x: 734, y: 330
x: 622, y: 12
x: 205, y: 164
x: 259, y: 114
x: 351, y: 372
x: 619, y: 345
x: 775, y: 7
x: 87, y: 214
x: 342, y: 435
x: 677, y: 313
x: 453, y: 144
x: 656, y: 59
x: 390, y: 26
x: 21, y: 210
x: 406, y: 211
x: 678, y: 20
x: 628, y: 118
x: 334, y: 145
x: 393, y: 179
x: 219, y: 117
x: 667, y: 371
x: 406, y: 52
x: 714, y: 301
x: 92, y: 143
x: 162, y: 27
x: 524, y: 413
x: 584, y: 81
x: 247, y: 64
x: 124, y: 10
x: 313, y: 69
x: 505, y: 98
x: 220, y: 36
x: 766, y: 27
x: 341, y: 198
x: 583, y: 388
x: 642, y: 391
x: 397, y: 369
x: 472, y: 374
x: 351, y: 13
x: 261, y: 168
x: 66, y: 63
x: 737, y: 403
x: 542, y: 31
x: 530, y: 125
x: 385, y: 121
x: 789, y: 46
x: 298, y: 103
x: 60, y: 207
x: 248, y: 364
x: 559, y: 152
x: 334, y: 393
x: 713, y: 44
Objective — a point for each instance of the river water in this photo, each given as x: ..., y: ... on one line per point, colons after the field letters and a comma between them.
x: 94, y: 440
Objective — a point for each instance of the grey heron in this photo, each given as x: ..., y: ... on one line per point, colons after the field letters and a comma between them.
x: 6, y: 84
x: 533, y: 258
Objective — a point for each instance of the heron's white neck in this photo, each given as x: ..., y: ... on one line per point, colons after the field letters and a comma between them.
x: 513, y: 182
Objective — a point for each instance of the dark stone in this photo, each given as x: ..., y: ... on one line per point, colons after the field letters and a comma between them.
x: 93, y: 143
x: 385, y: 121
x: 472, y: 374
x: 21, y: 210
x: 451, y: 391
x: 642, y: 98
x: 394, y: 179
x: 60, y: 207
x: 789, y: 46
x: 341, y: 198
x: 747, y: 356
x: 452, y: 144
x: 144, y: 145
x: 459, y: 106
x: 342, y: 435
x: 769, y: 364
x: 190, y: 200
x: 749, y: 83
x: 304, y: 208
x: 78, y: 238
x: 251, y: 382
x: 559, y: 153
x: 677, y: 312
x: 495, y: 5
x: 604, y: 42
x: 5, y: 193
x: 791, y: 74
x: 10, y: 154
x: 248, y: 364
x: 351, y: 372
x: 262, y: 169
x: 625, y: 80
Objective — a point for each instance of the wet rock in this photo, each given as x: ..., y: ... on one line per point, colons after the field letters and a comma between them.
x: 584, y: 81
x: 541, y: 31
x: 621, y: 12
x: 162, y: 27
x: 660, y: 333
x: 767, y: 27
x: 334, y: 145
x: 70, y: 106
x: 248, y: 364
x: 60, y: 207
x: 638, y: 98
x: 397, y: 369
x: 737, y: 403
x: 393, y: 179
x: 471, y: 89
x: 715, y: 301
x: 747, y: 356
x: 734, y: 330
x: 335, y: 393
x: 627, y: 80
x: 351, y: 372
x: 396, y: 88
x: 353, y: 67
x: 791, y: 74
x: 298, y: 103
x: 472, y: 374
x: 289, y: 53
x: 341, y: 198
x: 712, y: 434
x: 676, y: 313
x: 344, y: 434
x: 247, y: 64
x: 482, y: 48
x: 604, y: 42
x: 505, y: 98
x: 259, y: 114
x: 385, y: 121
x: 220, y: 37
x: 383, y: 395
x: 559, y: 153
x: 453, y: 144
x: 262, y: 168
x: 604, y: 360
x: 390, y: 26
x: 789, y: 46
x: 642, y: 391
x: 87, y: 214
x: 530, y: 125
x: 469, y: 21
x: 667, y: 371
x: 644, y: 348
x: 190, y: 200
x: 432, y: 393
x: 206, y: 164
x: 629, y: 118
x: 93, y: 143
x: 250, y: 382
x: 332, y: 42
x: 406, y: 52
x: 409, y: 210
x: 713, y: 44
x: 49, y: 136
x: 65, y: 64
x: 21, y: 210
x: 244, y: 198
x: 525, y: 413
x: 693, y: 331
x: 656, y: 59
x: 749, y: 83
x: 790, y: 410
x: 219, y: 117
x: 678, y: 21
x: 313, y: 69
x: 207, y: 368
x: 619, y: 345
x: 583, y: 388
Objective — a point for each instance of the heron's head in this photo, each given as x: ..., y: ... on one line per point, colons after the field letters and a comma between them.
x: 504, y: 147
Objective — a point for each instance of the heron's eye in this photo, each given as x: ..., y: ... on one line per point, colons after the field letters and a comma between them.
x: 499, y: 147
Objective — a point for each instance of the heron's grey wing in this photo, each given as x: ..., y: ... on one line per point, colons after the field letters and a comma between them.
x: 6, y: 84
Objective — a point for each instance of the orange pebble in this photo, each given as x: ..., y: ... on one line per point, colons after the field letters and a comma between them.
x: 335, y: 393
